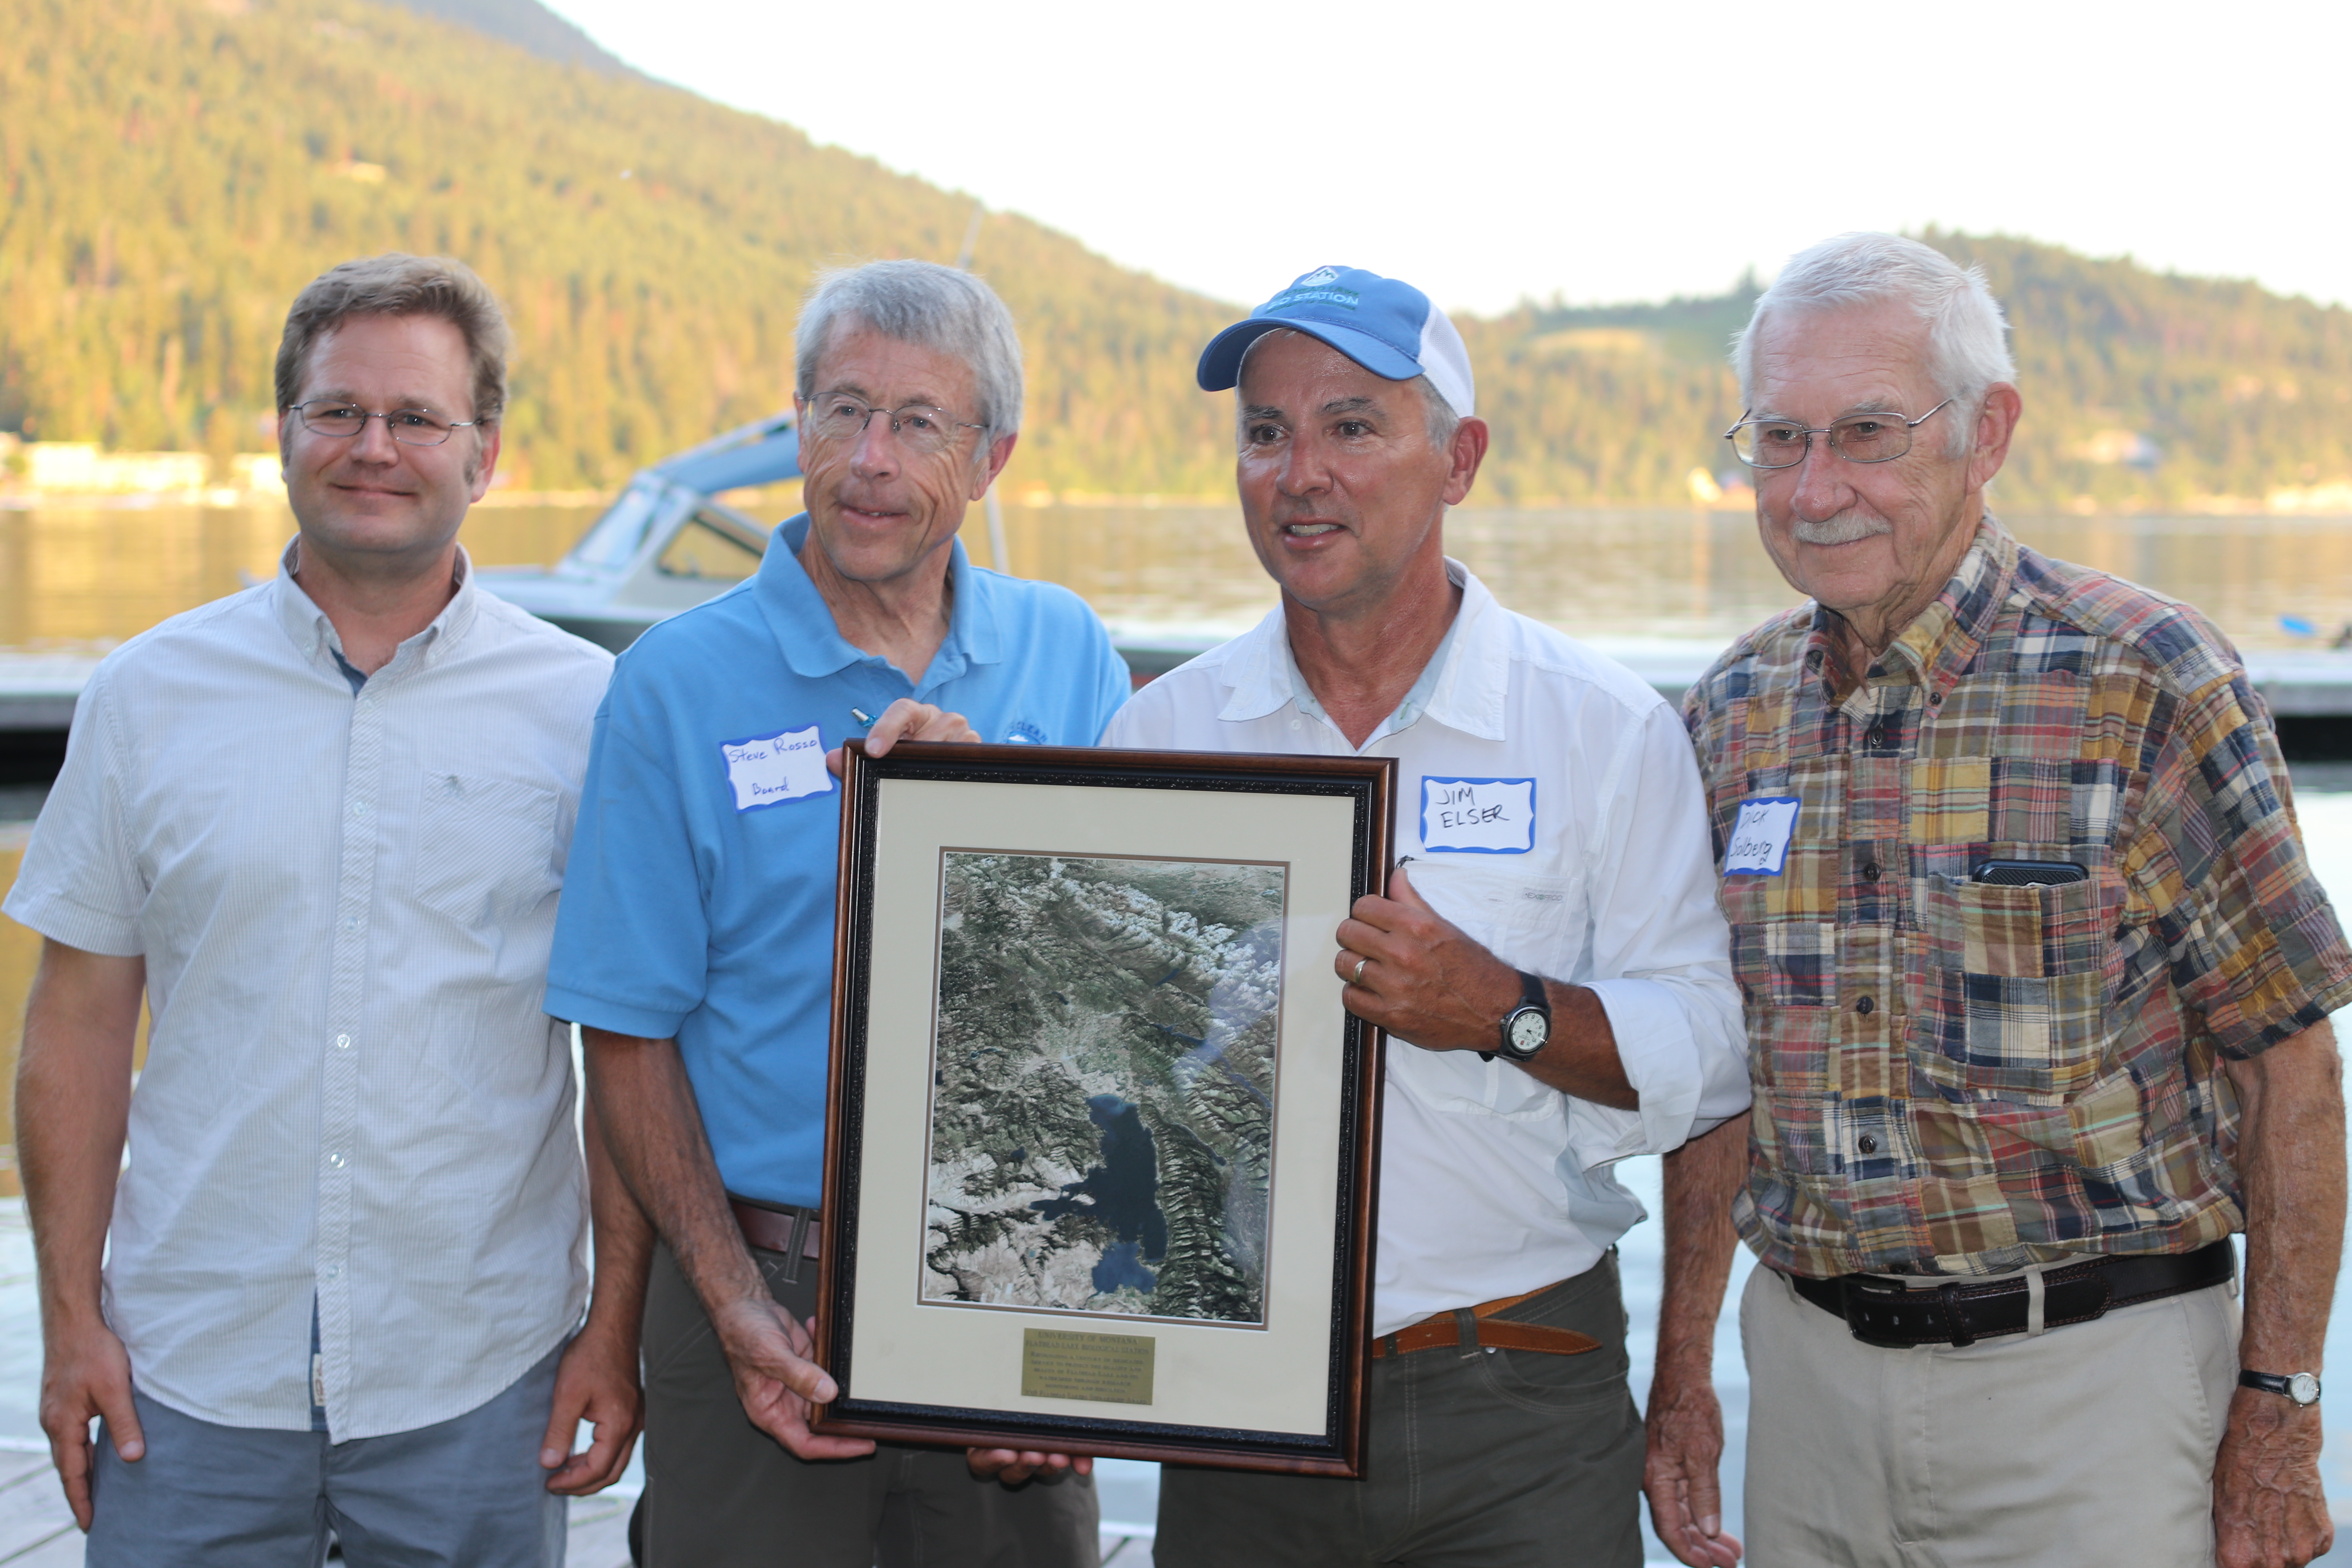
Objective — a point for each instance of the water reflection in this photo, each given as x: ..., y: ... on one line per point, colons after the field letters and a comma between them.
x: 97, y: 574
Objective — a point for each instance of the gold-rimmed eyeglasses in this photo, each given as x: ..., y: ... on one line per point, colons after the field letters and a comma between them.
x: 409, y: 427
x: 918, y: 426
x: 1879, y: 438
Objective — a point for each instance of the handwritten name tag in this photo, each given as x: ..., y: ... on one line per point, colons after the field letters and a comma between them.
x: 768, y: 770
x: 1760, y: 839
x: 1478, y: 816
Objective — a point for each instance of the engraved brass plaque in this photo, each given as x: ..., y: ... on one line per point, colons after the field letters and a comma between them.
x: 1115, y: 1369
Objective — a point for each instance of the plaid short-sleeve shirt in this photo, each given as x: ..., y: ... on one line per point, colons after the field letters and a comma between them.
x: 1956, y: 1078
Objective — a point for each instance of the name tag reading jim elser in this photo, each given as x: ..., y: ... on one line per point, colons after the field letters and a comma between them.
x: 1760, y: 839
x: 1477, y: 817
x: 768, y: 770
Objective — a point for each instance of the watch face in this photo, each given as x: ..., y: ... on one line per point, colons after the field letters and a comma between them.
x: 1530, y: 1029
x: 2303, y: 1388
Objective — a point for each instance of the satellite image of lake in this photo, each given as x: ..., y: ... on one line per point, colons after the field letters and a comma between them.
x: 1103, y: 1080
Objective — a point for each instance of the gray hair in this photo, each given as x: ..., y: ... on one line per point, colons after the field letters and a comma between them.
x: 1968, y: 346
x: 1442, y: 421
x: 931, y: 306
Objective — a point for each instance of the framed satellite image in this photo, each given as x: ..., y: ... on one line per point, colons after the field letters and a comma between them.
x: 1101, y: 1140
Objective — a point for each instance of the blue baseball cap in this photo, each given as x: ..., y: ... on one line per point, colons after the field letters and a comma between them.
x: 1388, y: 326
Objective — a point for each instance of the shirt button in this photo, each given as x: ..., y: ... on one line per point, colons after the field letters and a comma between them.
x: 1934, y: 699
x: 359, y: 808
x: 1874, y: 737
x: 1869, y: 871
x: 1865, y: 1005
x: 334, y: 1270
x: 338, y: 1161
x: 1868, y: 1145
x: 342, y: 1042
x: 1813, y: 659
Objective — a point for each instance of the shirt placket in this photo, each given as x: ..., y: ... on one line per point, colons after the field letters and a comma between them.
x: 1870, y: 1080
x: 337, y: 1155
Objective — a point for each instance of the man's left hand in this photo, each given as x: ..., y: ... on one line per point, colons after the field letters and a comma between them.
x: 1422, y: 978
x: 1014, y: 1466
x: 595, y: 1382
x: 2269, y: 1507
x: 908, y: 720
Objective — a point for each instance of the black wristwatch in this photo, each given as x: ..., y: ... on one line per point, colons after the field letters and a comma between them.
x: 1527, y: 1028
x: 2302, y: 1387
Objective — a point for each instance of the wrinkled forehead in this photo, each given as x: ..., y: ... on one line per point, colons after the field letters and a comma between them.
x: 892, y: 372
x: 1285, y: 367
x: 1824, y: 360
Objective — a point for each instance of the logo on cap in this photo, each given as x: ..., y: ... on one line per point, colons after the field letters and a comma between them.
x: 1317, y: 277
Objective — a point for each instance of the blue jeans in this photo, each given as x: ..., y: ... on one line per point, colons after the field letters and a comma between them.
x: 462, y: 1493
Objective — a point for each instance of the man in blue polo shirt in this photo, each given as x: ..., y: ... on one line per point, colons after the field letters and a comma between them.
x: 695, y: 940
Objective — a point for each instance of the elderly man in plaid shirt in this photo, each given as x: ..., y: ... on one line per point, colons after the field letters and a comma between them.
x: 2037, y: 983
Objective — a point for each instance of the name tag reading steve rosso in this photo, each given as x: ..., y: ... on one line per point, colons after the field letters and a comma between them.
x: 768, y: 770
x: 1760, y: 837
x: 1478, y: 816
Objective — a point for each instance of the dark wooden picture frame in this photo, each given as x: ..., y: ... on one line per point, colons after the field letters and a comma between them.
x: 1140, y: 779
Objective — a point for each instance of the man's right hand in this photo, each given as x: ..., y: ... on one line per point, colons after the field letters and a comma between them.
x: 1681, y: 1472
x: 768, y: 1350
x: 86, y: 1375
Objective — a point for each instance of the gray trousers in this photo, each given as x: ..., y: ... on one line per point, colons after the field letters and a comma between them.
x: 462, y: 1493
x: 1480, y: 1459
x: 720, y: 1493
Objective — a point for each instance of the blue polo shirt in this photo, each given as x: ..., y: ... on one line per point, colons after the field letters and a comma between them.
x: 698, y: 901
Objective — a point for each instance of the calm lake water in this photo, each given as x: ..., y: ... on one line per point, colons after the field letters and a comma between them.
x: 92, y: 576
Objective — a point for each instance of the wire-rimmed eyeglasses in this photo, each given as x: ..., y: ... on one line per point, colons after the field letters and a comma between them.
x: 918, y: 426
x: 1858, y: 437
x: 409, y: 427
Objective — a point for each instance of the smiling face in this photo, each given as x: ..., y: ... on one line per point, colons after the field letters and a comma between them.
x: 877, y: 509
x: 1874, y: 542
x: 1342, y: 492
x: 367, y: 503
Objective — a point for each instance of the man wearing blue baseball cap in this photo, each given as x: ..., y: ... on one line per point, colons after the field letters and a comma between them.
x: 1549, y: 960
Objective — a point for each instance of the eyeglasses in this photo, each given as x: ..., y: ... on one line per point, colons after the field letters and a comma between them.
x: 409, y: 427
x: 919, y: 427
x: 1857, y: 438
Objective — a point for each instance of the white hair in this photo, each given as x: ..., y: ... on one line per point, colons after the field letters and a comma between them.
x: 923, y: 303
x: 1967, y: 343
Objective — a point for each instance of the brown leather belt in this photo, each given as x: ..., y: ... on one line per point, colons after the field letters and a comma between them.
x: 778, y: 1228
x: 1882, y: 1312
x: 1487, y: 1331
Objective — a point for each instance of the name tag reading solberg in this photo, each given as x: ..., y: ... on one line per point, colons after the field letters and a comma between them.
x: 1760, y: 839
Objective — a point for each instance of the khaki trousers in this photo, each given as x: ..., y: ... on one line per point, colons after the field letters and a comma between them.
x: 2089, y: 1444
x: 720, y: 1493
x: 1480, y: 1459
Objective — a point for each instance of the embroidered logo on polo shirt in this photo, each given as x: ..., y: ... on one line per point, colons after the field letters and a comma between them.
x: 1024, y: 734
x: 769, y: 770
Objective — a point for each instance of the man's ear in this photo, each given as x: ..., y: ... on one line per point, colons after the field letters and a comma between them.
x: 1470, y: 439
x: 1996, y: 424
x: 487, y: 462
x: 1000, y: 452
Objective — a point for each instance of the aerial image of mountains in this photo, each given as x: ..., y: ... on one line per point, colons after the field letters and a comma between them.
x: 1103, y: 1085
x: 174, y: 169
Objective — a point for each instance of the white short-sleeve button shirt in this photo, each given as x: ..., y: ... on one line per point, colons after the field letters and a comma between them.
x: 350, y: 1093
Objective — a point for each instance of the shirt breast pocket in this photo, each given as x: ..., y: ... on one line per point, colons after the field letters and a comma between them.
x: 485, y: 849
x: 2013, y: 984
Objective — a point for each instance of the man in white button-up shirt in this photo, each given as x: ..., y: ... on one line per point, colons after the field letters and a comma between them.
x: 1548, y: 961
x: 320, y: 827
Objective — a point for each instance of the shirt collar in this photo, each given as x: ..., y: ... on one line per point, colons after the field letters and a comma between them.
x: 313, y: 635
x: 813, y: 644
x: 1941, y: 640
x: 1463, y: 686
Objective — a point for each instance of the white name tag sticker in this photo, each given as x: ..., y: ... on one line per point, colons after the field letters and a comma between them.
x: 1478, y: 816
x: 768, y: 770
x: 1760, y: 839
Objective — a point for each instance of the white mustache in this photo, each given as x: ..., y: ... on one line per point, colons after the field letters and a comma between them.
x: 1844, y: 529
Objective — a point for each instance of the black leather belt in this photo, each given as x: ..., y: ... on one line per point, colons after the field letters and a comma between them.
x: 1881, y: 1312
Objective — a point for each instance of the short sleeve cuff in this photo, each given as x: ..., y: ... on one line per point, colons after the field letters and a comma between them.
x: 61, y: 919
x: 613, y: 1017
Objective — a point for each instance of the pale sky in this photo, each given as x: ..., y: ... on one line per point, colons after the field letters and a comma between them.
x: 1488, y: 153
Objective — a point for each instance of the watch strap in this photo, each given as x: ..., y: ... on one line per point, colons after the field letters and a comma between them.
x: 2280, y: 1384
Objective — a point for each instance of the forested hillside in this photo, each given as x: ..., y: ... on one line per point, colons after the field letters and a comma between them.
x: 171, y: 171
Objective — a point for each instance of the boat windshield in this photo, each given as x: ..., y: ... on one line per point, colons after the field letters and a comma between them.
x: 620, y: 533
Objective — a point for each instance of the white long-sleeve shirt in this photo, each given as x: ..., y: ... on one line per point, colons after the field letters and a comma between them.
x: 1552, y: 808
x: 345, y: 903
